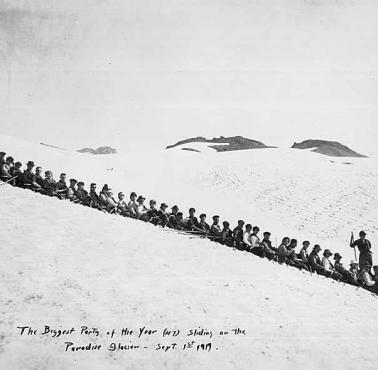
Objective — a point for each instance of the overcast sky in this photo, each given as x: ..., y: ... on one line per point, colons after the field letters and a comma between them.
x: 134, y: 74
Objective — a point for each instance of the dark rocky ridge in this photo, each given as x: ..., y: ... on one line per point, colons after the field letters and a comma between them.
x: 99, y: 150
x: 330, y: 148
x: 234, y: 143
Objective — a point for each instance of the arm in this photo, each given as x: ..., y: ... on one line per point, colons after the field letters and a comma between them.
x: 245, y: 240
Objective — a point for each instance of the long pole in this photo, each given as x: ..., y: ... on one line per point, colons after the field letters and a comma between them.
x: 351, y: 242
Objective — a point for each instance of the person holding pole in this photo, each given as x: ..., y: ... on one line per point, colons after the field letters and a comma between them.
x: 364, y: 247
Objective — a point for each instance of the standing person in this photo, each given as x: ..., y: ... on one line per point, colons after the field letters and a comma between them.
x: 61, y: 188
x: 203, y: 225
x: 227, y: 235
x: 28, y: 175
x: 364, y: 247
x: 247, y: 243
x: 268, y: 249
x: 49, y: 184
x: 238, y: 235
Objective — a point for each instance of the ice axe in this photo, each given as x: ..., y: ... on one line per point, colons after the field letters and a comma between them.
x: 351, y: 242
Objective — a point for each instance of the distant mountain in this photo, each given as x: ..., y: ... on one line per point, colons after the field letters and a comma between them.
x: 100, y: 150
x: 330, y: 148
x: 230, y: 143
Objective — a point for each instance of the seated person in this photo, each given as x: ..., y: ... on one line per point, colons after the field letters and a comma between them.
x: 227, y: 235
x: 141, y: 209
x: 247, y: 242
x: 61, y: 188
x: 347, y: 275
x: 17, y: 175
x: 329, y: 269
x: 121, y: 204
x: 71, y: 193
x: 268, y: 250
x: 203, y: 225
x: 282, y: 250
x: 163, y: 215
x: 152, y: 213
x: 82, y: 194
x: 191, y: 221
x: 94, y: 199
x: 215, y: 229
x: 132, y: 205
x: 292, y: 258
x: 49, y: 184
x: 28, y: 176
x: 173, y: 222
x: 6, y: 169
x: 315, y: 263
x: 37, y: 182
x: 238, y: 235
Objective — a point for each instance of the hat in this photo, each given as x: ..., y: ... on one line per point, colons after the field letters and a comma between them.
x: 18, y: 164
x: 337, y: 256
x: 93, y: 184
x: 163, y: 205
x: 216, y: 216
x: 140, y: 198
x: 266, y: 233
x: 306, y: 242
x: 80, y: 183
x: 327, y: 252
x: 133, y: 194
x: 73, y: 180
x: 30, y: 163
x: 317, y: 246
x: 353, y: 263
x: 152, y: 201
x: 105, y: 187
x: 120, y: 193
x: 174, y: 207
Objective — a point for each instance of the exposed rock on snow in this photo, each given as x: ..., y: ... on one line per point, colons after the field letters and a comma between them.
x: 99, y: 150
x: 223, y: 144
x: 330, y: 148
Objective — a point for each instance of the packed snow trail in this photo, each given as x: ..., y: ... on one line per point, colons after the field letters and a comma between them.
x: 63, y: 265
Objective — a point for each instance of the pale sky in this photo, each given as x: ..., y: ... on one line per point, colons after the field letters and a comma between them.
x: 139, y: 74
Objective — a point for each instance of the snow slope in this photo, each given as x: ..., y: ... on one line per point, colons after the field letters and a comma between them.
x: 65, y: 265
x: 286, y: 191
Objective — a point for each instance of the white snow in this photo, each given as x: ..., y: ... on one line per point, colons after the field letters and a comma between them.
x: 65, y: 265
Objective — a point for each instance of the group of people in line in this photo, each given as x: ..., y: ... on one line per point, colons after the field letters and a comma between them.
x: 244, y: 237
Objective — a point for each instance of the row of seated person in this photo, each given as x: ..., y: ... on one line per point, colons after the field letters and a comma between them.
x: 244, y: 237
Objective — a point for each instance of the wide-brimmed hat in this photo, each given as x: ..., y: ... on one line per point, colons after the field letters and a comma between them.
x: 73, y: 180
x: 353, y: 263
x: 163, y: 205
x: 30, y: 163
x: 175, y: 207
x: 141, y: 198
x: 327, y: 252
x: 337, y: 256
